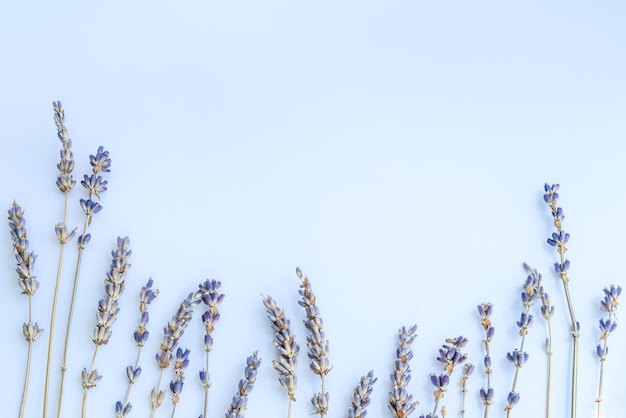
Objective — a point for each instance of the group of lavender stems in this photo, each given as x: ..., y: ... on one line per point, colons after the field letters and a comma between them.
x: 400, y: 402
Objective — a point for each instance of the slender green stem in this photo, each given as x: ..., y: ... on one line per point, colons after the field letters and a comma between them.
x: 435, y: 407
x: 70, y: 316
x: 173, y: 410
x: 575, y: 336
x: 54, y: 310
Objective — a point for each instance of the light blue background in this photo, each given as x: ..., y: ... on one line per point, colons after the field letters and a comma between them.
x: 396, y: 151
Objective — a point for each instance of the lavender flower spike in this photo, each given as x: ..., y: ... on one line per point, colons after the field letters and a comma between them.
x: 607, y: 326
x: 288, y: 349
x: 27, y: 282
x: 146, y: 296
x: 559, y: 240
x: 240, y: 401
x: 400, y: 402
x: 316, y: 342
x: 108, y: 308
x: 361, y: 396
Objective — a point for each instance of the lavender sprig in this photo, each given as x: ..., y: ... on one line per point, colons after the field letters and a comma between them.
x: 607, y: 326
x: 141, y: 334
x: 361, y: 396
x: 28, y: 283
x: 486, y: 394
x: 547, y: 311
x: 176, y: 385
x: 316, y: 342
x: 450, y: 356
x: 518, y: 357
x: 468, y: 369
x: 288, y: 349
x: 559, y: 240
x: 108, y: 308
x: 240, y: 401
x: 211, y: 297
x: 172, y: 333
x: 65, y: 182
x: 100, y: 162
x: 400, y: 402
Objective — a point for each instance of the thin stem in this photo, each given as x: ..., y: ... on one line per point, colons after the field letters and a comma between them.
x: 158, y: 388
x: 575, y: 336
x: 54, y: 310
x: 28, y: 359
x: 130, y: 384
x: 549, y: 380
x: 322, y: 414
x: 70, y: 316
x: 599, y: 399
x: 206, y: 387
x: 173, y: 410
x: 435, y: 408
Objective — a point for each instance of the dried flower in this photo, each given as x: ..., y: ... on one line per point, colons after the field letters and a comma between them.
x: 240, y: 401
x: 400, y: 402
x: 361, y: 396
x: 288, y: 349
x: 65, y: 181
x: 316, y: 342
x: 146, y: 296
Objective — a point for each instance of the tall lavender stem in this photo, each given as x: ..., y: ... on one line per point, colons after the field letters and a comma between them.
x: 558, y: 240
x: 607, y: 326
x: 65, y: 182
x: 211, y: 297
x: 141, y: 334
x: 28, y: 283
x: 94, y: 185
x: 108, y: 308
x: 486, y: 394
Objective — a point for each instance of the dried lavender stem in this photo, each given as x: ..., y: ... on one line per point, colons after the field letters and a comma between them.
x: 54, y: 310
x: 206, y: 389
x: 599, y: 399
x: 575, y: 336
x: 323, y: 376
x: 130, y: 384
x: 549, y: 379
x: 93, y: 362
x: 28, y: 359
x: 68, y: 326
x: 158, y: 388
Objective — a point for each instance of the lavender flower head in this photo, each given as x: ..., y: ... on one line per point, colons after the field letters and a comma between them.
x: 400, y: 402
x: 450, y: 354
x: 180, y: 364
x: 114, y: 286
x: 146, y: 296
x: 239, y: 403
x: 316, y: 342
x: 285, y: 343
x: 361, y: 396
x: 65, y: 181
x: 25, y: 259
